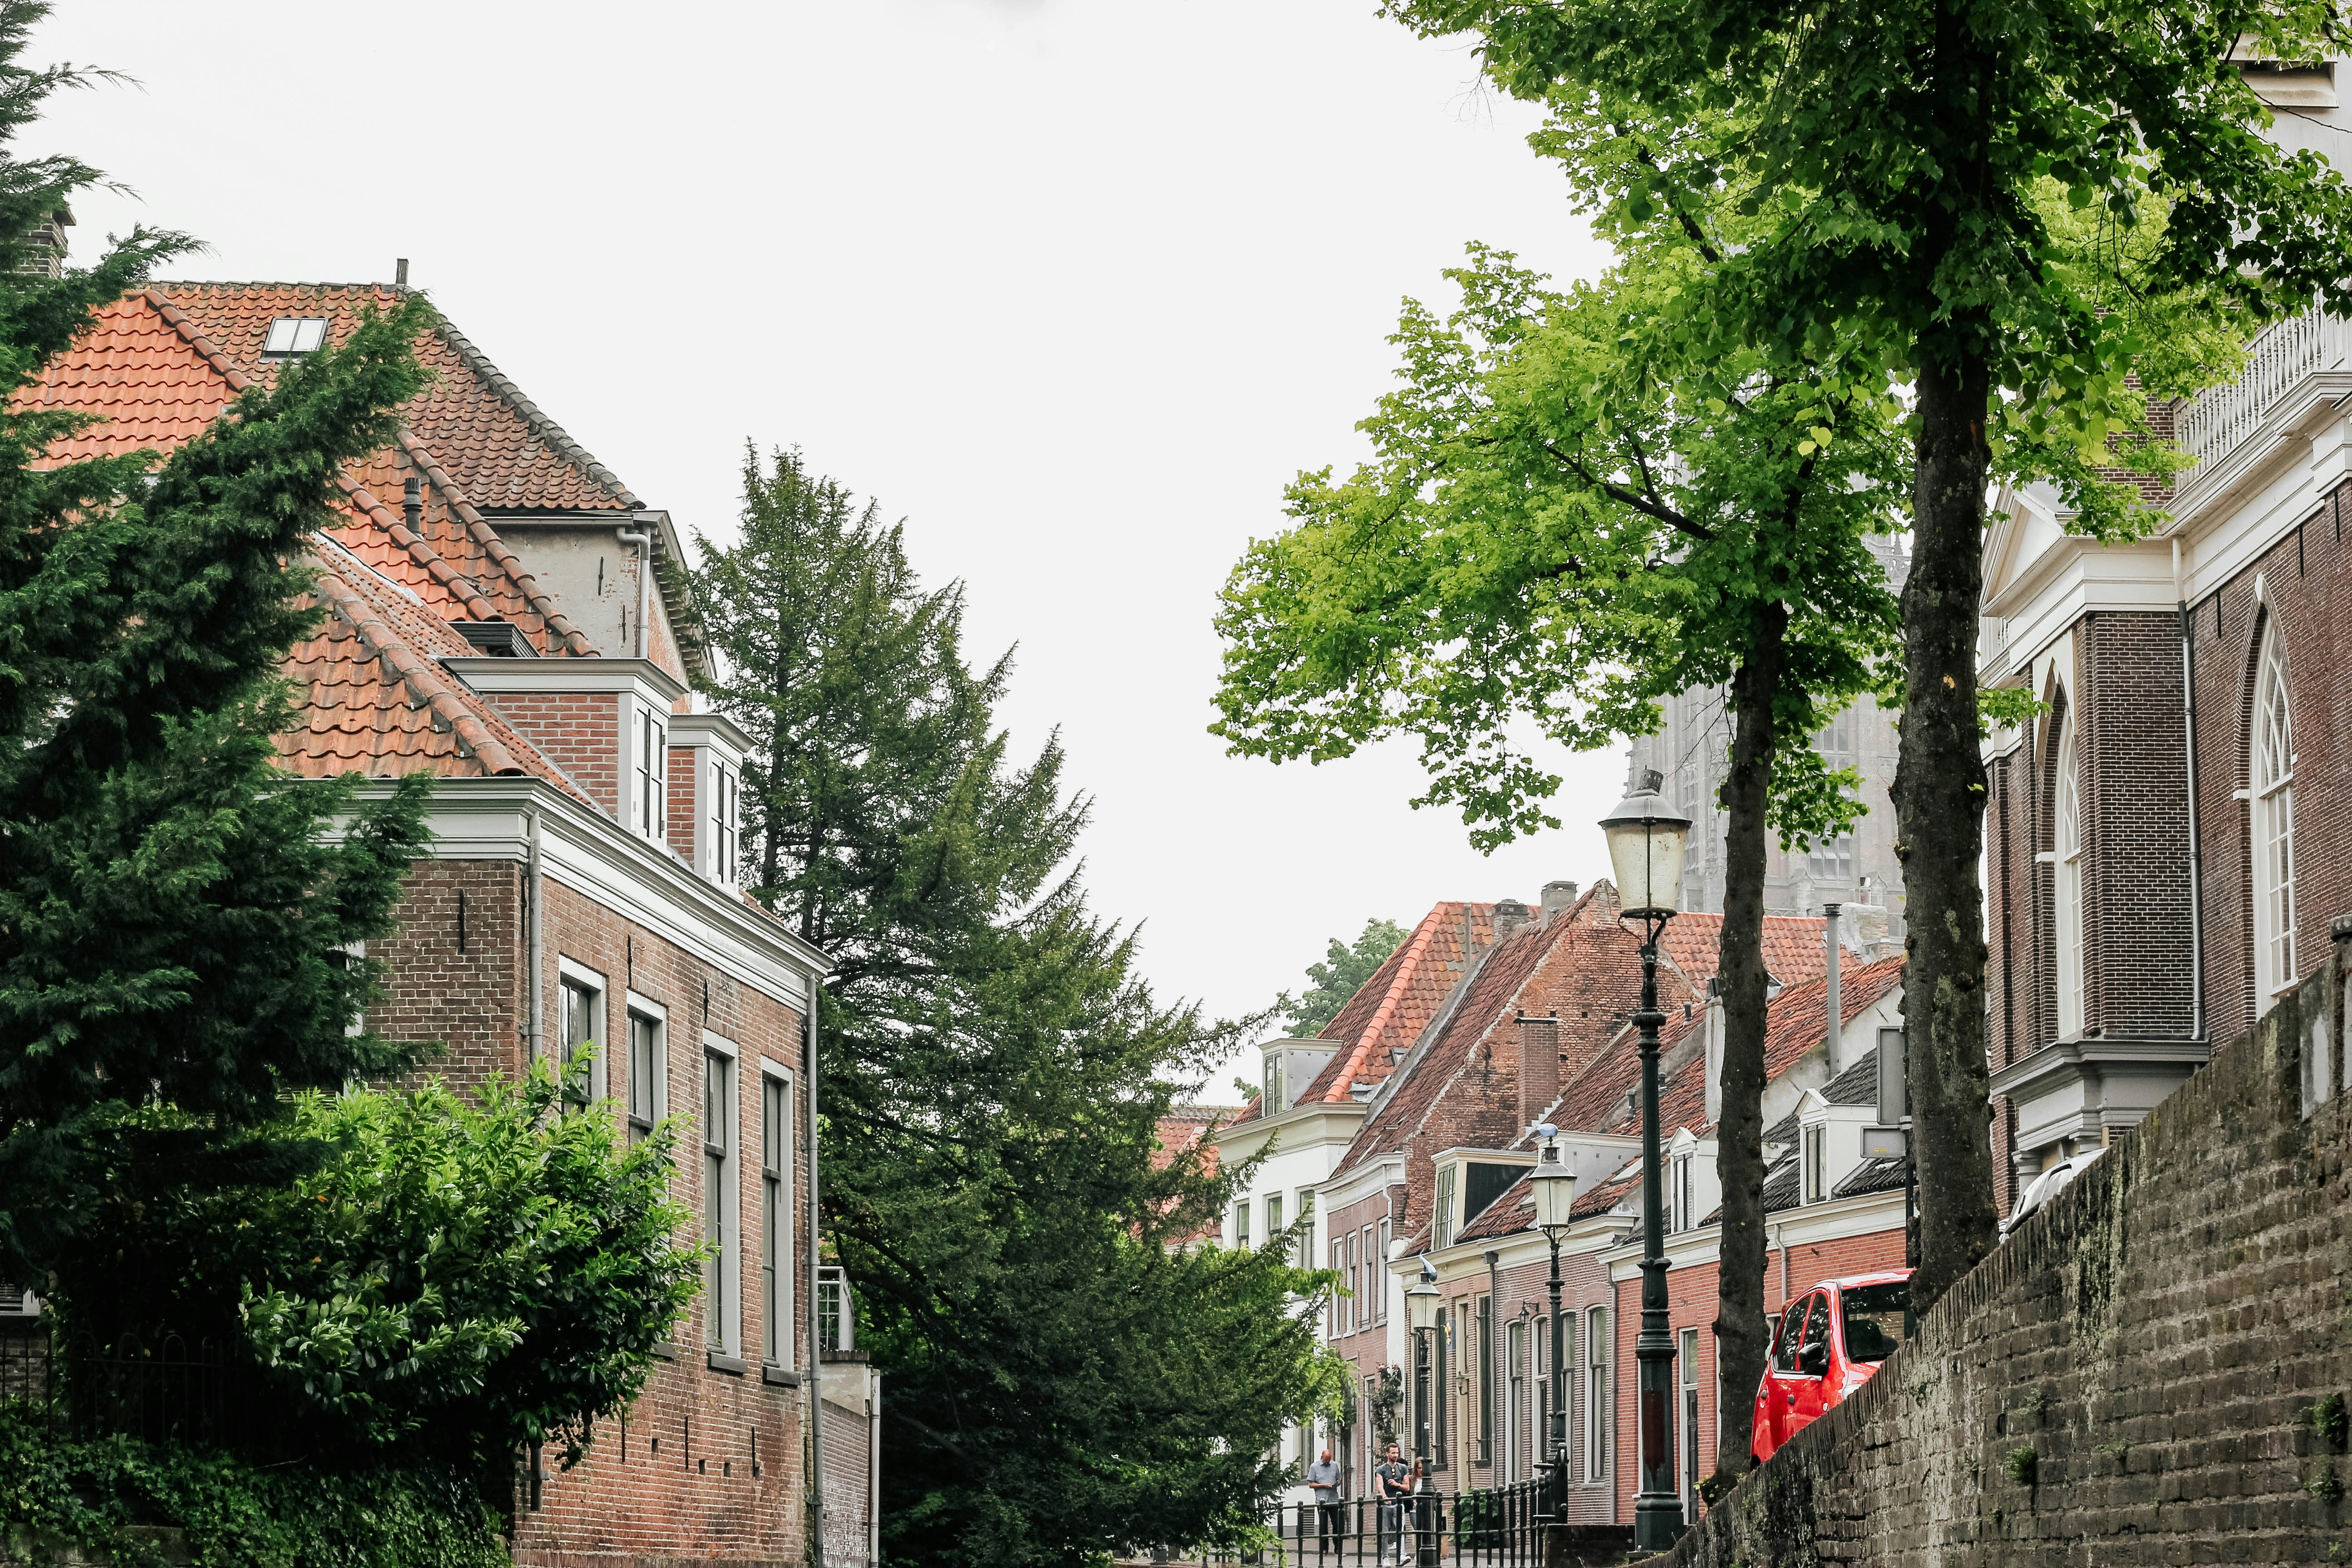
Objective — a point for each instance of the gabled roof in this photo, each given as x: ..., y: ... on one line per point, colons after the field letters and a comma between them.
x: 1795, y: 947
x: 1389, y: 1011
x: 376, y: 700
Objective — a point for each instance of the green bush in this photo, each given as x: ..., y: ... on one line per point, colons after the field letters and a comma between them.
x: 105, y: 1496
x: 454, y: 1275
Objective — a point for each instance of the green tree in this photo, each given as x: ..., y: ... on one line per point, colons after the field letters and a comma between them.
x: 175, y: 911
x: 1341, y: 975
x: 1900, y: 162
x: 994, y: 1075
x: 1579, y: 503
x: 454, y: 1275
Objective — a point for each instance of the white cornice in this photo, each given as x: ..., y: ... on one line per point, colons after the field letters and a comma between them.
x: 715, y: 730
x: 489, y: 819
x: 1322, y: 1121
x: 1808, y: 1224
x: 640, y: 676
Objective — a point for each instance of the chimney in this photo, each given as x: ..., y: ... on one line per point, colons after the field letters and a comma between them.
x: 1509, y: 916
x: 1713, y: 1029
x: 1538, y: 1066
x: 1557, y: 898
x: 411, y: 505
x: 1836, y: 1000
x: 400, y: 273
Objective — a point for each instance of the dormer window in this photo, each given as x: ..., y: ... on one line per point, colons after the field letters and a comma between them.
x: 725, y: 832
x: 292, y: 335
x: 1817, y: 1164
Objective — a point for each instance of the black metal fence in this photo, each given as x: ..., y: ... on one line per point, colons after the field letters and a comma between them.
x: 1497, y: 1527
x: 168, y: 1391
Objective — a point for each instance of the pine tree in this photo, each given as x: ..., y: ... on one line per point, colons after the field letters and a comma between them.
x: 175, y: 911
x: 1063, y: 1384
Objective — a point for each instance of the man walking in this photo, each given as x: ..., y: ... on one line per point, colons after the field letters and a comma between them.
x: 1395, y: 1484
x: 1330, y: 1525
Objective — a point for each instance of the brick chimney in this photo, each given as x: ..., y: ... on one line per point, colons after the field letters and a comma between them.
x: 1509, y: 916
x: 1558, y: 897
x: 1538, y: 1066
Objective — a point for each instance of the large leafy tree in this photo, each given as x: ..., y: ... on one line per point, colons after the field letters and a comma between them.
x: 1345, y: 968
x: 1908, y: 167
x: 175, y: 912
x: 1067, y: 1379
x: 1582, y: 502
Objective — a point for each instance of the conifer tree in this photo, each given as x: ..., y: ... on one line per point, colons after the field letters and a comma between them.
x: 1069, y: 1375
x: 176, y: 913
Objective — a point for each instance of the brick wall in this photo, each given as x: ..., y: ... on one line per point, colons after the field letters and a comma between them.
x: 2135, y: 826
x: 579, y: 731
x: 470, y: 1002
x: 2155, y: 1340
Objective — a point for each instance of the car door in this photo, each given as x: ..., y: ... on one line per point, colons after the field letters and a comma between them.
x: 1773, y: 1400
x: 1808, y: 1385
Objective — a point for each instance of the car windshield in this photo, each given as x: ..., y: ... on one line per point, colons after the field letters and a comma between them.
x: 1873, y: 1319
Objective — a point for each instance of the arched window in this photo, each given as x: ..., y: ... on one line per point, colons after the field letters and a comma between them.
x: 2272, y: 788
x: 2066, y: 844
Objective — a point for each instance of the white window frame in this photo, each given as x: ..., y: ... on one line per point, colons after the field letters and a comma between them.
x: 1241, y: 1223
x: 2066, y: 885
x: 573, y: 971
x: 723, y: 1320
x: 1813, y: 1157
x: 2271, y: 792
x: 636, y: 1007
x: 725, y: 824
x: 1382, y: 1295
x: 779, y: 1270
x: 648, y: 783
x: 1597, y: 1360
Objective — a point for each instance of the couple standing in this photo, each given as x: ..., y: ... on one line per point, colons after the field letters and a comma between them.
x: 1393, y: 1483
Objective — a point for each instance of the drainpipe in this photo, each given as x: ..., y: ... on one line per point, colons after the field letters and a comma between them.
x: 642, y: 543
x: 533, y: 899
x: 2196, y: 837
x: 1836, y: 999
x: 817, y: 1334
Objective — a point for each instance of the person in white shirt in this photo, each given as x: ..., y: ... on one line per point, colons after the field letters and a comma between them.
x: 1330, y: 1521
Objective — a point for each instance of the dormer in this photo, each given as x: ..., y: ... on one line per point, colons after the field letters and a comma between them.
x: 1694, y: 1184
x: 1468, y: 1180
x: 1289, y: 1067
x: 1829, y: 1144
x: 605, y: 721
x: 706, y: 753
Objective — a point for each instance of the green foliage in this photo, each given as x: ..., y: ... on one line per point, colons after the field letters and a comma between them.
x: 175, y: 914
x: 1345, y: 968
x: 109, y: 1494
x: 2328, y: 1420
x: 1063, y: 1382
x: 2324, y: 1484
x: 457, y: 1275
x: 2021, y: 1466
x: 1580, y: 502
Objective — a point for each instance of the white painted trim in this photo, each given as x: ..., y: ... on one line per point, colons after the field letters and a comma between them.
x: 644, y: 883
x: 632, y: 1002
x: 712, y: 1041
x: 640, y: 677
x: 714, y: 731
x: 571, y: 969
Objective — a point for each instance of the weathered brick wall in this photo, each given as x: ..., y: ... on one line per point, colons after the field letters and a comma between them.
x: 579, y: 731
x: 2134, y: 826
x: 2157, y: 1339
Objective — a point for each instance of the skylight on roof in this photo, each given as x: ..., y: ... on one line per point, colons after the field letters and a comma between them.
x: 295, y: 335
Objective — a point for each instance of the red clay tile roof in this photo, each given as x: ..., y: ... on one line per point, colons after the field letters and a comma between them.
x: 376, y: 700
x: 1794, y: 946
x: 1390, y: 1010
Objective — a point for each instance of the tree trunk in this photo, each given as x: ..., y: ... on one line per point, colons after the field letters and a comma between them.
x: 1939, y: 800
x: 1739, y: 1130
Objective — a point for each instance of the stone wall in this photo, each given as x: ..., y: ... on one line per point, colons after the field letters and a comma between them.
x: 2153, y: 1369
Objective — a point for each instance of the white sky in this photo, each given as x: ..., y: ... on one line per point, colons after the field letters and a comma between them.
x: 1073, y: 288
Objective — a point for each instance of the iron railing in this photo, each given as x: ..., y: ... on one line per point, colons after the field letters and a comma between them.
x: 1495, y: 1527
x: 166, y: 1391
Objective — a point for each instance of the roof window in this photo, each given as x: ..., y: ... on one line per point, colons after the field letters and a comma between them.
x: 294, y: 335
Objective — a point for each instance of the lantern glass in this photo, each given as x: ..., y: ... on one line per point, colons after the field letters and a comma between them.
x: 1555, y: 1190
x: 1646, y: 840
x: 1420, y: 1305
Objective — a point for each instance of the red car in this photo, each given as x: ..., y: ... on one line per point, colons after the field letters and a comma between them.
x: 1830, y: 1340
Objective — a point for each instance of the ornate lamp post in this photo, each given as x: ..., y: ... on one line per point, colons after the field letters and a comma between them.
x: 1646, y: 840
x: 1555, y: 1192
x: 1421, y: 1310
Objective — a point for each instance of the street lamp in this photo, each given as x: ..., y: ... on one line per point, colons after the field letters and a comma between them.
x: 1646, y: 840
x: 1420, y: 1311
x: 1554, y: 1186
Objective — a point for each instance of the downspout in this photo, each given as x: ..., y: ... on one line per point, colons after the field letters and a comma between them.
x: 533, y: 899
x: 816, y: 1332
x: 2196, y: 837
x: 642, y: 543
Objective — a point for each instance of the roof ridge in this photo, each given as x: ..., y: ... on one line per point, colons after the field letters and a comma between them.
x: 270, y: 283
x: 503, y: 387
x: 485, y: 750
x: 574, y: 640
x: 180, y: 322
x: 439, y: 570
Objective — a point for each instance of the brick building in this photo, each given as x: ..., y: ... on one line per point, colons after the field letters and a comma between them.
x: 504, y: 614
x: 1539, y: 1025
